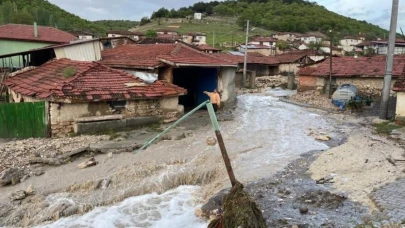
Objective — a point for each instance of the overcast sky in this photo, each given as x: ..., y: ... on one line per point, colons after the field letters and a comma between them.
x: 374, y: 11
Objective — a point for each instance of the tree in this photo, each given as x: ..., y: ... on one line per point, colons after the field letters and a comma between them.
x: 151, y: 34
x: 23, y: 18
x: 144, y: 21
x: 316, y: 46
x: 162, y: 12
x: 6, y: 12
x: 223, y: 10
x: 282, y: 45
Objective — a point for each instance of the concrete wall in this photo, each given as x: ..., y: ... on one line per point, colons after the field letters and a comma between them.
x: 12, y: 46
x: 226, y: 84
x: 17, y: 98
x: 261, y: 70
x: 265, y: 52
x: 400, y: 113
x: 307, y: 83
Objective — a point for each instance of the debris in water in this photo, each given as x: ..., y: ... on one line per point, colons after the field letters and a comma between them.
x: 240, y: 210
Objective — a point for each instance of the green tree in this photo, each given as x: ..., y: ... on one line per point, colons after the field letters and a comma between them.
x: 282, y: 45
x: 151, y: 34
x: 23, y: 18
x: 223, y: 10
x: 144, y: 21
x: 316, y: 46
x: 7, y: 12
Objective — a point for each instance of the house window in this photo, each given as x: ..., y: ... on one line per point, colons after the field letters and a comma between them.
x: 117, y: 105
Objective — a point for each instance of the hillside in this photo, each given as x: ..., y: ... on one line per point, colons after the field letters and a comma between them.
x: 279, y: 15
x: 222, y: 29
x: 48, y: 14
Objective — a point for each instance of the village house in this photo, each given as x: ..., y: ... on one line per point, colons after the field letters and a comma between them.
x: 260, y: 64
x: 84, y: 97
x: 363, y: 46
x: 366, y: 73
x: 260, y: 40
x: 257, y: 48
x: 19, y: 38
x: 81, y: 35
x: 167, y: 32
x: 286, y: 36
x: 179, y: 64
x: 122, y: 33
x: 156, y: 40
x: 348, y: 43
x: 290, y: 62
x: 381, y: 47
x: 207, y: 48
x: 311, y: 38
x: 194, y: 38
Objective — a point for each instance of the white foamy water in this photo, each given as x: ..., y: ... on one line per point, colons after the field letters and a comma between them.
x: 174, y: 209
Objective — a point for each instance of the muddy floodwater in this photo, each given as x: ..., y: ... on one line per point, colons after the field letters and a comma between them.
x: 264, y: 136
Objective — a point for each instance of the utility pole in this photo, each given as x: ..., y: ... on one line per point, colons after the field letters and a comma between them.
x: 389, y: 62
x: 245, y: 60
x: 213, y: 39
x: 330, y: 64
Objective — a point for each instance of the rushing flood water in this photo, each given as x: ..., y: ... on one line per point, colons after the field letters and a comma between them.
x: 266, y: 135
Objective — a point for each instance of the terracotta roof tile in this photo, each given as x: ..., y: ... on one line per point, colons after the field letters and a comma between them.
x: 90, y: 81
x: 125, y: 32
x: 205, y: 47
x: 264, y: 39
x: 26, y: 32
x: 293, y: 56
x: 361, y: 66
x: 154, y: 55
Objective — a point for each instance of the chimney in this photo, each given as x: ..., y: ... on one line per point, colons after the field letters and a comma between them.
x: 35, y: 29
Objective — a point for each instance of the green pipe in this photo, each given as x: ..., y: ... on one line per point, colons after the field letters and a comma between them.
x: 173, y: 125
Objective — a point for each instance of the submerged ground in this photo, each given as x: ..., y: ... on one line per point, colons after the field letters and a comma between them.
x: 265, y: 139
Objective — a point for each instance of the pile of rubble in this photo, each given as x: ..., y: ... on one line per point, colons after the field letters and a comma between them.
x: 273, y: 81
x: 314, y: 98
x: 19, y: 153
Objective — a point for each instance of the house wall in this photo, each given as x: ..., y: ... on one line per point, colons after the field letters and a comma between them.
x: 307, y: 83
x: 348, y: 44
x: 265, y: 52
x: 227, y: 87
x: 12, y: 46
x: 261, y: 70
x: 63, y: 115
x: 400, y: 111
x: 292, y: 68
x: 90, y: 51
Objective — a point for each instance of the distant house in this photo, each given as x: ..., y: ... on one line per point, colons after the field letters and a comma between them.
x: 381, y: 47
x: 363, y: 46
x: 207, y: 48
x: 19, y: 38
x: 257, y: 48
x: 83, y: 97
x: 197, y: 16
x: 286, y: 36
x: 122, y: 33
x: 194, y: 38
x: 260, y: 40
x: 311, y: 39
x: 167, y: 32
x: 290, y: 62
x: 82, y: 35
x: 348, y: 43
x: 367, y: 73
x: 179, y: 64
x: 156, y: 40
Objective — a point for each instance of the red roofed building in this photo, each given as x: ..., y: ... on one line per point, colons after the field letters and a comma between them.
x: 367, y: 73
x: 75, y: 90
x: 290, y: 62
x: 181, y: 65
x: 260, y: 40
x: 262, y: 65
x: 207, y: 48
x: 18, y: 38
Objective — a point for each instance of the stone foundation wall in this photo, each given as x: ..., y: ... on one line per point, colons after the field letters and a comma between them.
x: 366, y: 86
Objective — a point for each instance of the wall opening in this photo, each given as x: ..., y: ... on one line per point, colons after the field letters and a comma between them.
x: 196, y: 81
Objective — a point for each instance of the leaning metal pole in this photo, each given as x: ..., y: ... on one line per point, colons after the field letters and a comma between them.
x: 389, y: 62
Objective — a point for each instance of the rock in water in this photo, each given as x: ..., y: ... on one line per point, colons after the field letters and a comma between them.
x: 10, y: 175
x: 30, y: 190
x: 303, y: 210
x: 240, y: 210
x: 18, y: 195
x: 211, y: 141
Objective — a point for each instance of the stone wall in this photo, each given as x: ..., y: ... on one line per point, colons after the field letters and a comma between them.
x: 366, y: 86
x: 63, y: 115
x: 285, y: 68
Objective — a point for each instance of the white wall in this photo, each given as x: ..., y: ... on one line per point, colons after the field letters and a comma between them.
x: 400, y: 105
x: 226, y: 84
x: 89, y: 51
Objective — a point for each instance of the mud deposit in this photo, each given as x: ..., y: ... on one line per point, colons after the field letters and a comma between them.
x: 292, y: 199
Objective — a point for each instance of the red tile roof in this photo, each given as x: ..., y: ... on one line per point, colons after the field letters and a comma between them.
x: 306, y: 71
x: 205, y: 47
x: 154, y: 55
x: 26, y: 32
x: 293, y: 56
x: 361, y: 66
x: 90, y: 82
x: 127, y: 33
x: 252, y: 58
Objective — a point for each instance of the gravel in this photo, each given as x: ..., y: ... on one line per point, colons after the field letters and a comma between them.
x: 313, y: 98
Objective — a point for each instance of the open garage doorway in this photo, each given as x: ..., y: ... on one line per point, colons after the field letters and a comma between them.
x: 196, y: 80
